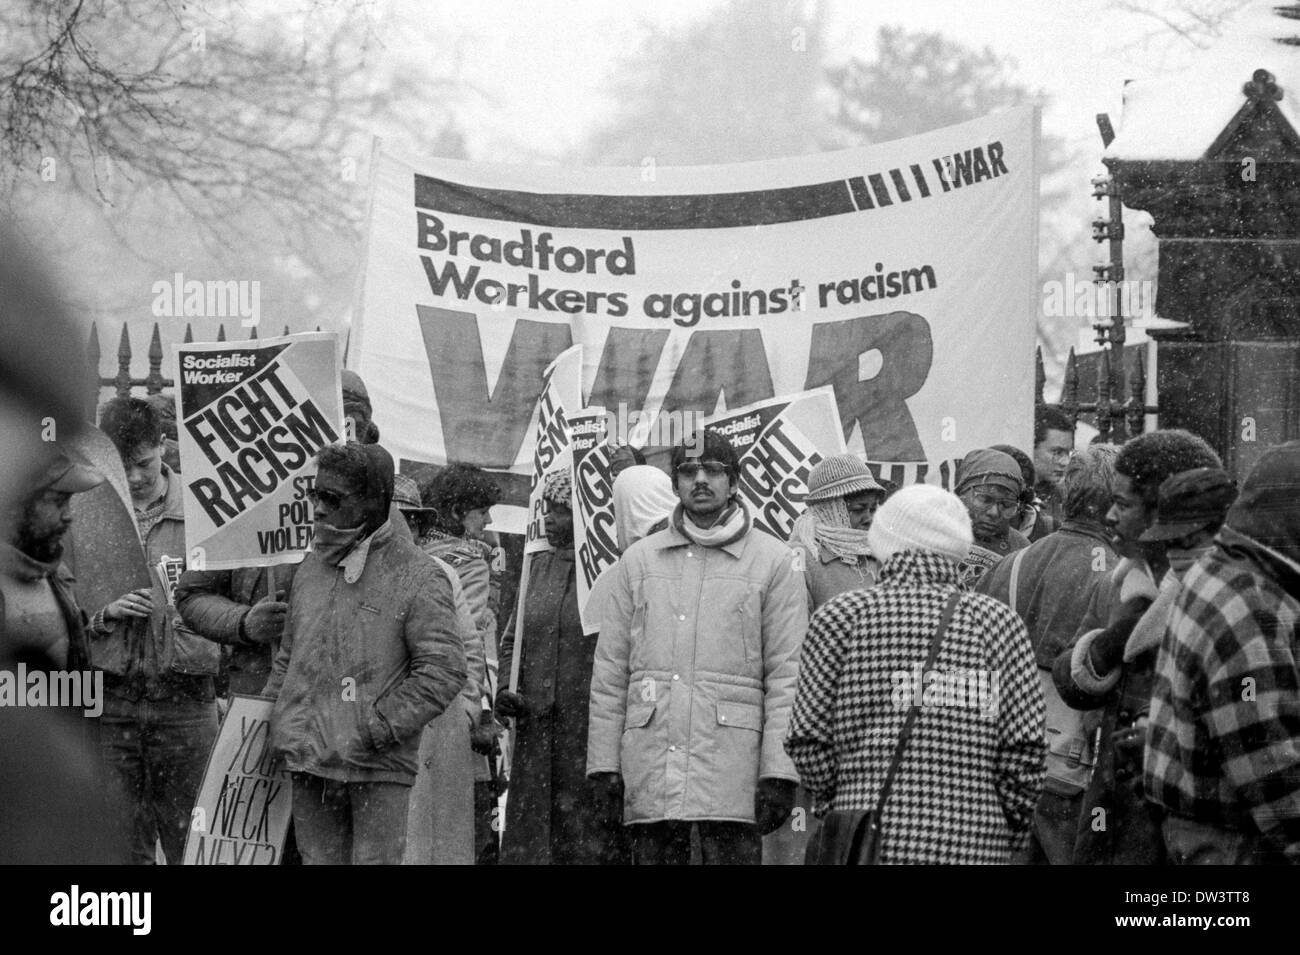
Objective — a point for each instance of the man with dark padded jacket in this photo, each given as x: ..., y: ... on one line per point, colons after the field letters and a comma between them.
x: 371, y: 652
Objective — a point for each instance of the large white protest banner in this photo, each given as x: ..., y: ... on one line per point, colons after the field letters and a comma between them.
x: 779, y: 442
x: 242, y: 812
x: 252, y: 417
x: 901, y: 275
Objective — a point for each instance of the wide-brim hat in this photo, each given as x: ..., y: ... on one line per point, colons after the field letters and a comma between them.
x: 839, y: 476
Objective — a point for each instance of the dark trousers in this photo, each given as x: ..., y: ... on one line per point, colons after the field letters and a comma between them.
x: 338, y: 823
x: 158, y: 751
x: 1056, y: 824
x: 1188, y: 842
x: 721, y: 843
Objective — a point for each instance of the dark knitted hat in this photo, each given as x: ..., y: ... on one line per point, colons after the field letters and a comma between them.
x: 1191, y: 500
x: 1268, y: 509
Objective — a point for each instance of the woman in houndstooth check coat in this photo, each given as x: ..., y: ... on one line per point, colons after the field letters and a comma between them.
x: 973, y: 769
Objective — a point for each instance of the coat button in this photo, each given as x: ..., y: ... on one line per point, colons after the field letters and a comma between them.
x: 672, y: 749
x: 722, y: 719
x: 676, y: 676
x: 681, y: 616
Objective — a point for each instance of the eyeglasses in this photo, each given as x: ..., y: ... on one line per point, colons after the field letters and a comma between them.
x: 691, y: 469
x: 331, y: 499
x: 986, y: 502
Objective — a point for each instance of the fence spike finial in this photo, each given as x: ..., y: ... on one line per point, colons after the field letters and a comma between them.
x: 1040, y: 377
x: 1138, y: 386
x: 153, y: 380
x: 122, y: 380
x: 93, y: 349
x: 92, y: 359
x: 1070, y: 388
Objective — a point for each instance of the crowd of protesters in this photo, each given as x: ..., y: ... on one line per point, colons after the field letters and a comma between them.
x: 1075, y: 656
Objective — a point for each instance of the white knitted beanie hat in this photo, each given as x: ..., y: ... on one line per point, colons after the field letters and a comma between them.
x: 921, y: 517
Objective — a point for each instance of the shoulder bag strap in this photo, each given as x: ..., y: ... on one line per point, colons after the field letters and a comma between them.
x: 1015, y: 579
x: 915, y: 710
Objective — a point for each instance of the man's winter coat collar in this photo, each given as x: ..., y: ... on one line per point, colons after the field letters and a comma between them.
x: 1093, y: 529
x: 22, y: 566
x: 353, y: 564
x: 1270, y: 562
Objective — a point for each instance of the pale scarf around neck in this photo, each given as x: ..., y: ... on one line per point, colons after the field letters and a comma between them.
x: 826, y: 524
x: 731, y: 526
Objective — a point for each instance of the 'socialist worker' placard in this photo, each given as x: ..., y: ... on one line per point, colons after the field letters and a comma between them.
x: 253, y: 415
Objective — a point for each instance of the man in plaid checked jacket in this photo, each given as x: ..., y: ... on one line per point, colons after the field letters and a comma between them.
x: 1223, y: 745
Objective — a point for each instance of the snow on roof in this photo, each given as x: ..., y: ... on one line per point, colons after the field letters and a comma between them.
x: 1179, y: 116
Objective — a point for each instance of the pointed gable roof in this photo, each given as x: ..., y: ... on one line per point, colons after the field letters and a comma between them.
x: 1205, y: 111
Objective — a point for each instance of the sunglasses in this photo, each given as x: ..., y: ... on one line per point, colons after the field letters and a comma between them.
x: 330, y: 499
x: 692, y: 469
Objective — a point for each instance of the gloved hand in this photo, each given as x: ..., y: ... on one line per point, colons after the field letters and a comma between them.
x: 511, y: 704
x: 1130, y: 743
x: 1108, y: 647
x: 607, y: 794
x: 773, y: 802
x: 483, y: 733
x: 264, y: 621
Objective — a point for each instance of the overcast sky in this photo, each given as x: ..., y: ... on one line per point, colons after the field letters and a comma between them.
x: 542, y: 65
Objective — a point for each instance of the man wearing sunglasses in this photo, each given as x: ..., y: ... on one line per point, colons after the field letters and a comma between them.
x: 695, y: 674
x: 370, y: 653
